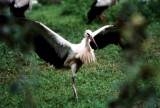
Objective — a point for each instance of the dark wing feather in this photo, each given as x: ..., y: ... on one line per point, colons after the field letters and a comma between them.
x: 47, y: 52
x: 110, y: 35
x: 50, y: 46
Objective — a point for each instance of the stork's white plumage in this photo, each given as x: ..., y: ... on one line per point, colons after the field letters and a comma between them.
x: 21, y: 3
x: 97, y: 8
x: 59, y: 52
x: 103, y: 3
x: 100, y: 30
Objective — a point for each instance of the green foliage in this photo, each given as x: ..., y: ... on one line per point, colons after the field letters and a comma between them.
x: 49, y: 2
x: 153, y: 29
x: 149, y: 9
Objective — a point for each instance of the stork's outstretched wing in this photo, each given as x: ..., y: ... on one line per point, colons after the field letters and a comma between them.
x: 49, y: 45
x: 106, y: 35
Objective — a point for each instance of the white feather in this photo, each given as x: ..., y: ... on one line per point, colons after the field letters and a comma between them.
x: 84, y: 52
x: 103, y: 3
x: 56, y: 36
x: 99, y: 30
x: 21, y: 3
x: 86, y: 55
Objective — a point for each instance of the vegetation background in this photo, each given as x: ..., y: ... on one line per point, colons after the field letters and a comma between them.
x: 26, y: 81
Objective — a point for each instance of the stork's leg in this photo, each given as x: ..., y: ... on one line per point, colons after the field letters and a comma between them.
x: 102, y: 18
x: 74, y: 69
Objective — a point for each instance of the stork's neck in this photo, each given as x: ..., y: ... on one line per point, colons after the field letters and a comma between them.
x: 86, y: 53
x: 87, y: 45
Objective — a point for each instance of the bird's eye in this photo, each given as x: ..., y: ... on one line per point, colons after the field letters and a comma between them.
x: 88, y: 34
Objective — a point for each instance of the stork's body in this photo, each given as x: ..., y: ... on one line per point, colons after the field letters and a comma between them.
x: 17, y: 7
x: 97, y: 9
x: 59, y: 52
x: 63, y: 54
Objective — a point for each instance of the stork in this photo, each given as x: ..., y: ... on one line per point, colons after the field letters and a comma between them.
x: 97, y: 9
x: 17, y: 7
x: 61, y: 53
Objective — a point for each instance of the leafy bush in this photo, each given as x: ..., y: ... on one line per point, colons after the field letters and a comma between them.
x: 149, y: 9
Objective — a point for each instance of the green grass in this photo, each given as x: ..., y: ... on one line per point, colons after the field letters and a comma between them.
x: 27, y: 81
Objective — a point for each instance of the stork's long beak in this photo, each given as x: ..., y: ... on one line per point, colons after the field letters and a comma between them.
x: 92, y: 39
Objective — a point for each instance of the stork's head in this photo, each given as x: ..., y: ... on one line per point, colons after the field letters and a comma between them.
x: 89, y: 36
